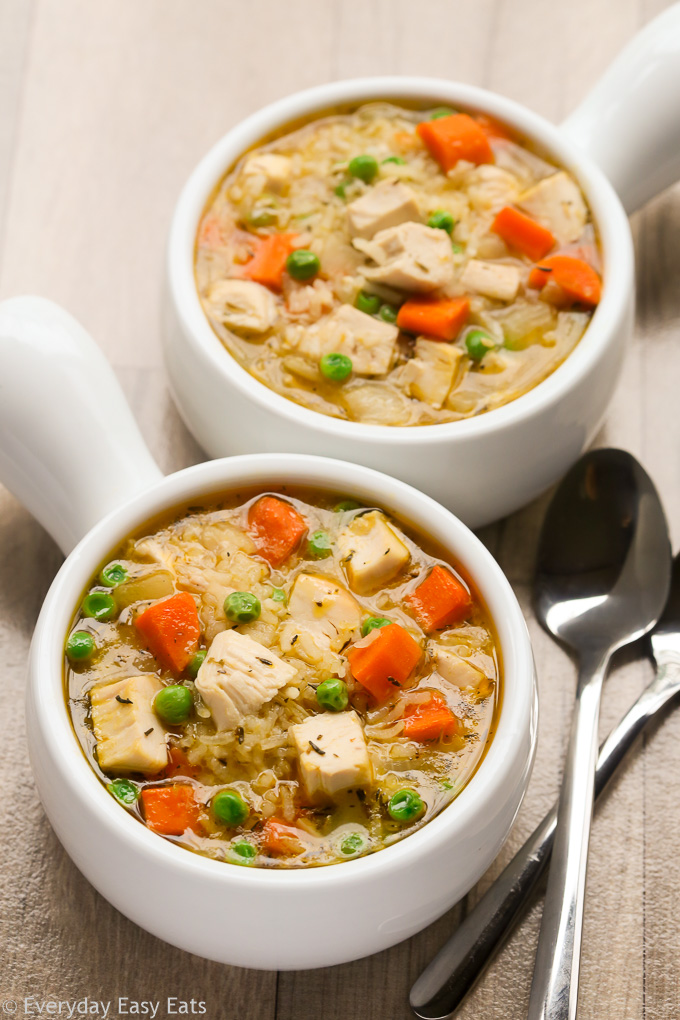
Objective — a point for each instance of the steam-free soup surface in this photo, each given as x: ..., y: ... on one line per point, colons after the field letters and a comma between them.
x: 283, y: 680
x: 398, y: 267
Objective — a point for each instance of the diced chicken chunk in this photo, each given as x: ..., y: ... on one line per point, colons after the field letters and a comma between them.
x: 386, y: 205
x: 372, y: 552
x: 129, y: 736
x: 430, y: 374
x: 244, y: 304
x: 324, y: 617
x: 409, y: 257
x: 456, y: 670
x: 332, y: 753
x: 274, y: 168
x: 369, y: 342
x: 557, y: 203
x: 238, y: 677
x: 492, y: 279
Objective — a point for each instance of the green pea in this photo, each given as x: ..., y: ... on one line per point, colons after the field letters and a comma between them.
x: 173, y: 704
x: 441, y: 111
x: 441, y: 220
x: 395, y: 159
x: 262, y: 217
x: 364, y: 167
x: 278, y: 595
x: 243, y: 852
x: 113, y: 575
x: 345, y: 505
x: 195, y: 662
x: 341, y: 189
x: 319, y: 545
x: 80, y: 646
x: 405, y: 806
x: 369, y: 303
x: 478, y: 343
x: 336, y: 367
x: 99, y: 605
x: 332, y: 694
x: 352, y: 844
x: 242, y: 607
x: 388, y: 313
x: 229, y: 808
x: 303, y: 264
x: 373, y: 623
x: 124, y: 791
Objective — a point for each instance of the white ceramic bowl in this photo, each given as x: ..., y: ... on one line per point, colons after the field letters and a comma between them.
x: 59, y: 402
x: 485, y: 467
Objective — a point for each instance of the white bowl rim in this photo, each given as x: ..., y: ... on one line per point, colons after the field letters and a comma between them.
x: 199, y: 482
x: 608, y: 215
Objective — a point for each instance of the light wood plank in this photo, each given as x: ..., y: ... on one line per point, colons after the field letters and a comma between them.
x: 15, y: 26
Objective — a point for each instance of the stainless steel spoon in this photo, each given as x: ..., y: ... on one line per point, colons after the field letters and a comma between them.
x: 445, y: 982
x: 602, y: 580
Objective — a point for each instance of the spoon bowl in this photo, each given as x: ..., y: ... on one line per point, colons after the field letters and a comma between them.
x: 603, y: 563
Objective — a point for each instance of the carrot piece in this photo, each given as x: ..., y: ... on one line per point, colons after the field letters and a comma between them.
x: 384, y: 662
x: 440, y: 600
x: 281, y: 838
x: 440, y: 319
x: 179, y: 764
x: 430, y: 721
x: 449, y: 139
x: 170, y: 810
x: 277, y: 529
x: 574, y: 277
x: 523, y: 233
x: 492, y: 128
x: 269, y: 261
x: 171, y: 630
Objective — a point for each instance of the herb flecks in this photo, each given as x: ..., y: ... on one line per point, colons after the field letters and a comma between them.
x: 315, y: 747
x: 124, y: 701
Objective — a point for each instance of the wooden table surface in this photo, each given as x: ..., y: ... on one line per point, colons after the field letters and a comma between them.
x: 105, y: 106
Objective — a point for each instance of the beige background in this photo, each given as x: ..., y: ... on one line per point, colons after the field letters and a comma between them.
x: 105, y: 105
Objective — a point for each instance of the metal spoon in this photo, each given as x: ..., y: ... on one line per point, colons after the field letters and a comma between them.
x: 445, y: 982
x: 602, y: 580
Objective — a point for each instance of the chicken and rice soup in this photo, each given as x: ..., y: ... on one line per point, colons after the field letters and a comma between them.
x: 282, y: 679
x: 398, y: 267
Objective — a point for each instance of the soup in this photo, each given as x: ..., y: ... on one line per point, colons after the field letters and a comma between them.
x: 282, y: 679
x: 398, y: 267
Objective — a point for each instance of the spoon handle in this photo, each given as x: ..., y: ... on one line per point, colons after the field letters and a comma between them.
x: 554, y: 990
x: 445, y: 982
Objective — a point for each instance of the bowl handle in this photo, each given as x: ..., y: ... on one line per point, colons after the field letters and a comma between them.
x: 629, y: 124
x: 70, y: 449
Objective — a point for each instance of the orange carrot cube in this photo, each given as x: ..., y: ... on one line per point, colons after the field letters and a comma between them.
x: 523, y: 233
x: 458, y: 136
x: 277, y: 529
x: 170, y: 810
x: 171, y: 629
x: 439, y: 600
x: 385, y: 662
x: 430, y: 721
